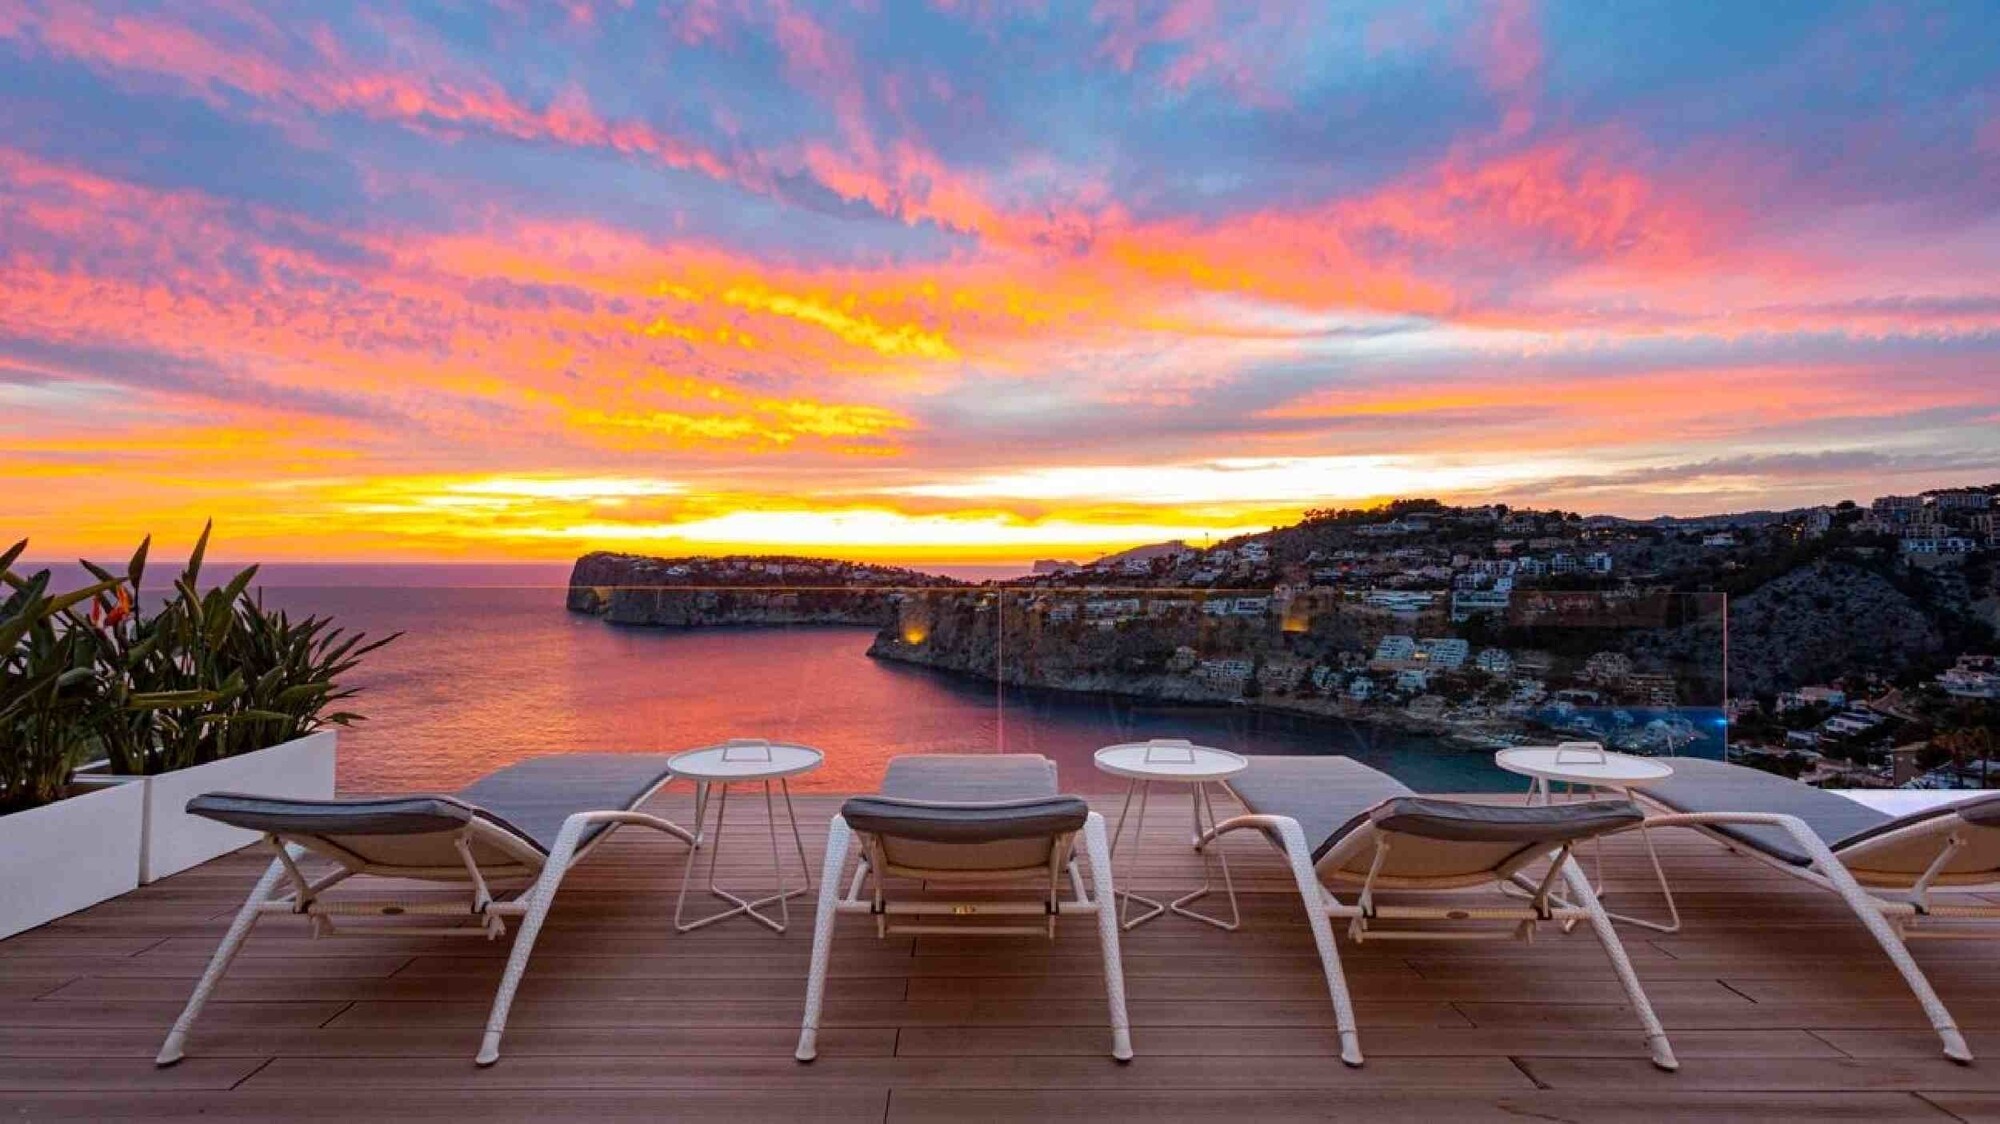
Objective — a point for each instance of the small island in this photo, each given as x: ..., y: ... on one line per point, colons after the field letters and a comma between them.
x: 740, y: 590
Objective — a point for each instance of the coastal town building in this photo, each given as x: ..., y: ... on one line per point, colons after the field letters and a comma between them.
x: 1114, y: 609
x: 1497, y: 662
x: 1468, y: 603
x: 1392, y: 650
x: 1652, y: 688
x: 1937, y: 546
x: 1400, y: 601
x: 1961, y: 501
x: 1282, y: 675
x: 1896, y: 509
x: 1606, y: 667
x: 1229, y: 673
x: 1443, y: 653
x: 1972, y: 677
x: 1806, y: 697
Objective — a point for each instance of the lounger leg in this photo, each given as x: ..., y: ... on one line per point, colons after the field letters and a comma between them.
x: 1097, y: 848
x: 239, y: 929
x: 1293, y: 840
x: 1621, y: 964
x: 541, y: 897
x: 838, y: 838
x: 1842, y: 880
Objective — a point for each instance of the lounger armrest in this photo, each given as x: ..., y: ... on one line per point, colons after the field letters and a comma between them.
x: 397, y: 815
x: 1465, y: 822
x: 1981, y: 811
x: 936, y: 822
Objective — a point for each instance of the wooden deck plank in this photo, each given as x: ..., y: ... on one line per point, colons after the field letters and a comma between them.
x: 1171, y: 1106
x: 1779, y: 1005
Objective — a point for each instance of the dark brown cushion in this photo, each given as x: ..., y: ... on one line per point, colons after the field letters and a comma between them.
x: 1462, y: 821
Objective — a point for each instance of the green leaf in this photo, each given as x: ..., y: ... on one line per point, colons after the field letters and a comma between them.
x: 192, y: 573
x: 238, y: 584
x: 56, y: 605
x: 160, y: 700
x: 136, y: 568
x: 303, y: 692
x: 12, y: 553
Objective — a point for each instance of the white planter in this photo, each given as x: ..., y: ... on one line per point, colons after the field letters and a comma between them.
x: 65, y: 856
x: 174, y: 841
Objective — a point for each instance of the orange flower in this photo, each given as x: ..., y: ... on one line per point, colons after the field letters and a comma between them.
x: 118, y: 614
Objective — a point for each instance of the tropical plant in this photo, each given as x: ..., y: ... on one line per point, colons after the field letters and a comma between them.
x: 168, y: 682
x: 210, y: 674
x: 49, y: 686
x: 291, y: 671
x: 213, y: 673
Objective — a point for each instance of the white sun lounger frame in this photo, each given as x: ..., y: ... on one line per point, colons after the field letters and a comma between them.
x: 486, y: 912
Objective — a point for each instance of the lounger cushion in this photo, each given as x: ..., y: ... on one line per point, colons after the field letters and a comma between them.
x: 966, y: 823
x: 535, y: 796
x: 970, y: 778
x: 390, y: 815
x: 1701, y: 785
x: 968, y: 798
x: 1329, y: 796
x: 1462, y: 822
x: 530, y: 799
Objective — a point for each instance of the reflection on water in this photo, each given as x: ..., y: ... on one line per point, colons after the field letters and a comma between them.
x: 488, y: 676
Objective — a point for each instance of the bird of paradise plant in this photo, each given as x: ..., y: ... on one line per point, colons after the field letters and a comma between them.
x: 211, y: 674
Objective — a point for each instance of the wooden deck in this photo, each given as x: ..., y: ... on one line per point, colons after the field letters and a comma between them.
x: 1778, y: 1006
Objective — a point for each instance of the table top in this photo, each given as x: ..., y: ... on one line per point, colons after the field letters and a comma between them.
x: 1170, y: 759
x: 1579, y: 765
x: 746, y: 759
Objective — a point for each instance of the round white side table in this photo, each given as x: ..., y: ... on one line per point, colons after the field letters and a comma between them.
x: 1180, y: 761
x: 744, y: 761
x: 1590, y: 766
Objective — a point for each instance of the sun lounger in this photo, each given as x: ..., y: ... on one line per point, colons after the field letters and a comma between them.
x: 506, y: 841
x: 1344, y: 824
x: 966, y: 826
x: 1886, y: 868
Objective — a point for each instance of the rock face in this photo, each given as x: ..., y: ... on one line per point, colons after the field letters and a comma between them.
x: 1820, y: 622
x: 1816, y: 624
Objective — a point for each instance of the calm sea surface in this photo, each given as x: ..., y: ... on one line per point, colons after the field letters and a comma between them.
x: 486, y: 676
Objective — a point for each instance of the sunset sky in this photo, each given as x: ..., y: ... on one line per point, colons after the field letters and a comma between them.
x: 976, y: 282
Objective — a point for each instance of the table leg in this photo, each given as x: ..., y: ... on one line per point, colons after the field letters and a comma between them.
x: 1201, y: 840
x: 739, y: 905
x: 1673, y: 922
x: 1126, y: 897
